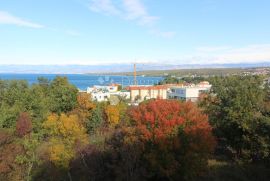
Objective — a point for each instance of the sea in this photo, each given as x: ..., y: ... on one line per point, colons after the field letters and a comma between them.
x: 82, y: 81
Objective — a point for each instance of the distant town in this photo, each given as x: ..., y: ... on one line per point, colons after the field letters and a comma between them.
x: 138, y: 93
x: 185, y: 91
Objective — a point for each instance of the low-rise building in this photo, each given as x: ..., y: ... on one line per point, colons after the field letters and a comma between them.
x: 100, y: 96
x: 188, y: 92
x: 105, y: 88
x: 104, y: 93
x: 141, y: 93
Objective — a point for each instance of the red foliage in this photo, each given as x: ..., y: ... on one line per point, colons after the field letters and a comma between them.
x: 24, y: 124
x: 179, y: 134
x: 158, y: 119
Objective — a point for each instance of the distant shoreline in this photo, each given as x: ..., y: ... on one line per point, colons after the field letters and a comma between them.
x: 153, y: 73
x: 155, y: 69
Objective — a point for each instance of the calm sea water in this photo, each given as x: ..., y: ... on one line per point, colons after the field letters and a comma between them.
x: 82, y: 81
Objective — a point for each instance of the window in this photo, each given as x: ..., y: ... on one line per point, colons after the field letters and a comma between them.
x: 180, y: 91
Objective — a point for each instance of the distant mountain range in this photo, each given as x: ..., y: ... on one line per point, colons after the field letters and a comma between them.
x: 114, y: 68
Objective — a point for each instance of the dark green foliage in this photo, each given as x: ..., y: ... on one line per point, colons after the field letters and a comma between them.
x: 16, y: 97
x: 236, y: 113
x: 178, y: 80
x: 194, y: 80
x: 38, y: 100
x: 170, y: 80
x: 228, y: 171
x: 62, y: 95
x: 97, y: 118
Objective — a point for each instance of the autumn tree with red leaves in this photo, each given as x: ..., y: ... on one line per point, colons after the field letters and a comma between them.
x: 178, y: 138
x: 23, y: 125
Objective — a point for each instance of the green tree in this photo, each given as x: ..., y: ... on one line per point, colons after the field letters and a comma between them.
x: 29, y: 159
x: 62, y: 95
x: 235, y: 108
x: 97, y: 118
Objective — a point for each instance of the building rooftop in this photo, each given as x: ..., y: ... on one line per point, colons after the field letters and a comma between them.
x: 158, y: 87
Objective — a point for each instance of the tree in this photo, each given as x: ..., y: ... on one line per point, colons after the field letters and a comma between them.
x: 62, y: 95
x: 16, y: 97
x: 178, y: 138
x: 84, y: 108
x: 97, y: 118
x: 23, y: 125
x: 43, y: 82
x: 66, y: 127
x: 84, y: 101
x: 9, y: 150
x: 236, y: 110
x: 60, y: 153
x: 113, y: 114
x: 66, y: 135
x: 29, y: 159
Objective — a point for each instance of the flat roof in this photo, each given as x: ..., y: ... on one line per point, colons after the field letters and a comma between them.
x: 158, y: 87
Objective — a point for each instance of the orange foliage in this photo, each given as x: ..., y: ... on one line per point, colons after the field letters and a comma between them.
x: 84, y: 101
x: 83, y: 110
x: 113, y: 114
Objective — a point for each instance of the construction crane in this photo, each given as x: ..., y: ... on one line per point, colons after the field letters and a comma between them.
x: 135, y: 75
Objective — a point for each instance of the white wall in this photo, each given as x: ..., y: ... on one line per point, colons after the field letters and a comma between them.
x: 148, y: 94
x: 187, y: 93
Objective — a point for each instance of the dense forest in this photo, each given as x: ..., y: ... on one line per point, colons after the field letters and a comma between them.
x: 50, y: 131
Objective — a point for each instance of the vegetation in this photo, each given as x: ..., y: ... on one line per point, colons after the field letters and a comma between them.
x: 50, y: 131
x: 189, y: 72
x: 177, y: 138
x: 180, y: 80
x: 238, y: 109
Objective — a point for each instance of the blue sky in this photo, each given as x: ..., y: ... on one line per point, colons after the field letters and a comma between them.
x: 127, y: 31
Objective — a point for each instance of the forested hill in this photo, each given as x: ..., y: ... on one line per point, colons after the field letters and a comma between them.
x: 195, y: 72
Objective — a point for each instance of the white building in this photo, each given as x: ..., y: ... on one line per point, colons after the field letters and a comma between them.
x: 100, y: 96
x: 98, y: 88
x: 188, y: 92
x: 104, y: 93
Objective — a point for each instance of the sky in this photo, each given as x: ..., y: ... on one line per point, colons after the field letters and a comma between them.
x: 87, y: 32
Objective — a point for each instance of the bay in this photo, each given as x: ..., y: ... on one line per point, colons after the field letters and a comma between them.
x: 82, y: 81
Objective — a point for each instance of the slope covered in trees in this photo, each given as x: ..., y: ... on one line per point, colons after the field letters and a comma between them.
x: 56, y: 133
